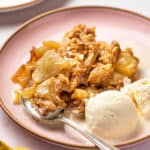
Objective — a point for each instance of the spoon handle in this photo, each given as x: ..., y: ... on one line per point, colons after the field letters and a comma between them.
x: 98, y: 142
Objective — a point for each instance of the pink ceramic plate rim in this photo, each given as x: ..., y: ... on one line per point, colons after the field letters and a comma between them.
x: 37, y: 18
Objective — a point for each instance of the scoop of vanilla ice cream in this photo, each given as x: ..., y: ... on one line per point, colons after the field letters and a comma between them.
x: 139, y: 91
x: 111, y: 114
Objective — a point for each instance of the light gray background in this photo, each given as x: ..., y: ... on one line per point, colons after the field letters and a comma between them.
x: 9, y: 22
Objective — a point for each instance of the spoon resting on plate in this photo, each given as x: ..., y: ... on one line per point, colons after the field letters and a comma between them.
x: 58, y: 116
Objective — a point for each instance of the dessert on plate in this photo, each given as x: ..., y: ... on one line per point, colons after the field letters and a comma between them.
x: 83, y: 75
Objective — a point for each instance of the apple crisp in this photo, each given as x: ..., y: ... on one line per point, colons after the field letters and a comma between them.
x: 67, y: 73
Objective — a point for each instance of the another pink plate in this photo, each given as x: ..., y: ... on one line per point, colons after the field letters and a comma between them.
x: 129, y: 28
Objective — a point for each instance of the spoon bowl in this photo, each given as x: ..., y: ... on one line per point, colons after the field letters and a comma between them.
x: 36, y: 114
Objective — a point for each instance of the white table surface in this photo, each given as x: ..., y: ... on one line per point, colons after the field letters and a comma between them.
x: 9, y: 22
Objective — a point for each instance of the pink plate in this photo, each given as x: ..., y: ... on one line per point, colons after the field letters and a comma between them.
x: 129, y: 28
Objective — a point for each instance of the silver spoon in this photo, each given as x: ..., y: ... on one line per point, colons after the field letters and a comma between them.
x: 58, y: 116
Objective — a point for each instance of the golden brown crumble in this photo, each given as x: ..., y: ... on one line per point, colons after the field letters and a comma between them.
x: 67, y: 73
